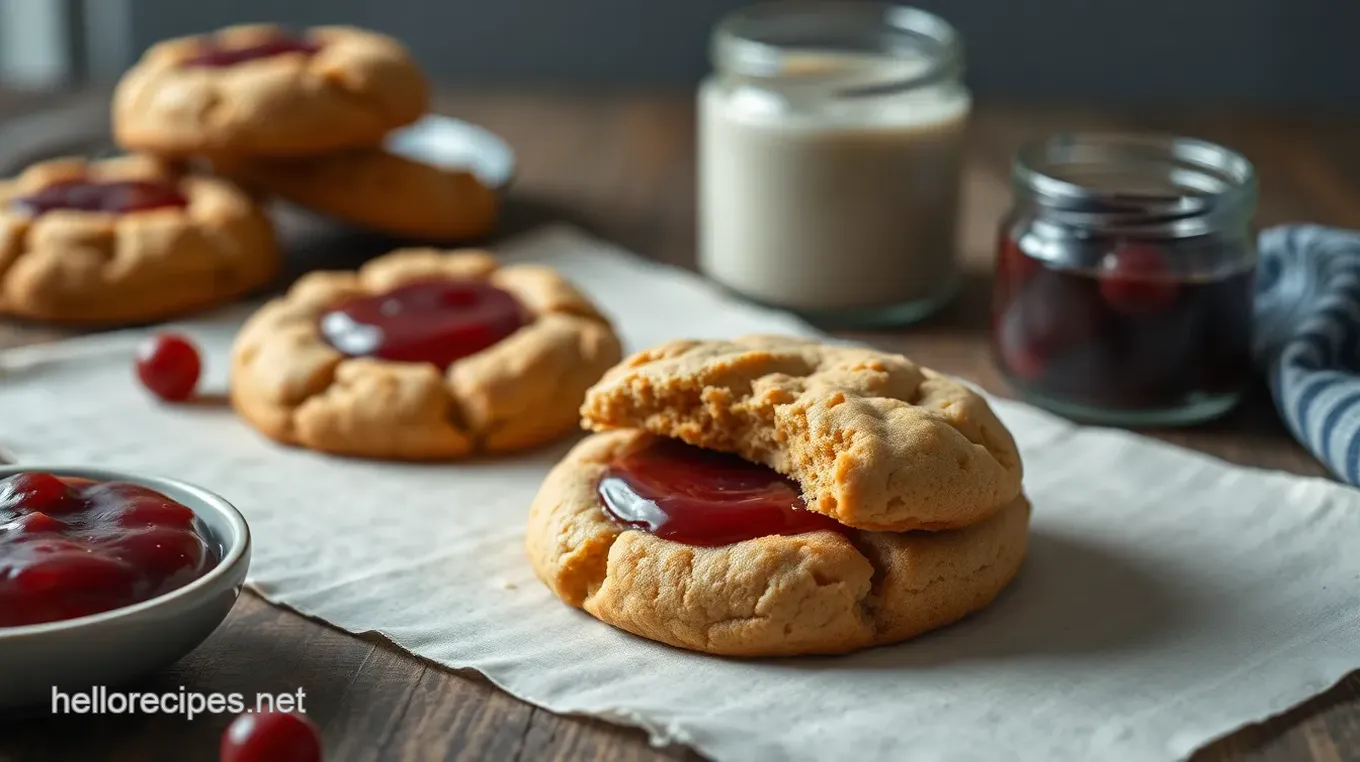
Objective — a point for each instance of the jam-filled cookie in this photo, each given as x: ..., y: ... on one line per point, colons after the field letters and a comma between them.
x: 382, y: 191
x: 126, y: 240
x: 872, y: 440
x: 421, y: 355
x: 706, y: 551
x: 262, y: 91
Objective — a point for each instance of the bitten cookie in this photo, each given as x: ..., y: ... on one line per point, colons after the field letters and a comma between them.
x: 875, y: 441
x: 259, y: 91
x: 816, y: 592
x: 421, y: 355
x: 375, y: 189
x: 126, y: 240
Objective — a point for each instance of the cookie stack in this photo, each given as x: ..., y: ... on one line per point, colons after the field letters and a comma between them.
x: 302, y: 116
x: 776, y: 496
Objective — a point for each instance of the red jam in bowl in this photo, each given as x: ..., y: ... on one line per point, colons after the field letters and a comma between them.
x: 117, y: 197
x: 436, y: 322
x: 73, y: 547
x: 700, y: 497
x: 213, y: 55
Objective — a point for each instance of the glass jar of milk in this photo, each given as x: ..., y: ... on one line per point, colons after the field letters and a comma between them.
x: 830, y: 149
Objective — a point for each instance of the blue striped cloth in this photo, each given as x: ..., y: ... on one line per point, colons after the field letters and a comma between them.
x: 1307, y: 336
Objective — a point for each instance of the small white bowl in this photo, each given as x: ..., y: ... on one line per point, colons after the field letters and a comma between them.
x: 116, y: 646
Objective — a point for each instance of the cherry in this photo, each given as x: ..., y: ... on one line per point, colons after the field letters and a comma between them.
x: 1049, y: 316
x: 271, y: 737
x: 1136, y: 278
x: 168, y: 365
x: 33, y: 492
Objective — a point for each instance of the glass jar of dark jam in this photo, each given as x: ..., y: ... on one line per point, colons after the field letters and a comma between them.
x: 1124, y: 278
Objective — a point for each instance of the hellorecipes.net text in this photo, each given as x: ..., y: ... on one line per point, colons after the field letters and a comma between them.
x: 100, y: 700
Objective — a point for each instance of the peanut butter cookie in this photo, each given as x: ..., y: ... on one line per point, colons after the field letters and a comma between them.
x: 421, y: 355
x: 874, y: 441
x: 126, y: 240
x: 800, y: 590
x: 375, y: 189
x: 260, y: 91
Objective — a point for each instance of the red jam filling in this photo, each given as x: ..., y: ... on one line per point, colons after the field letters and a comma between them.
x: 213, y: 55
x: 72, y: 547
x: 1132, y: 333
x: 700, y: 497
x: 118, y: 197
x: 436, y: 322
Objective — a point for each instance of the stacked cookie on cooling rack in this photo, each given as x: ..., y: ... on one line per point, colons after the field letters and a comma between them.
x: 776, y: 496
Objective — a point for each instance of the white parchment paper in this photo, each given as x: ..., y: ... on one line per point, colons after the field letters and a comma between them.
x: 1168, y: 597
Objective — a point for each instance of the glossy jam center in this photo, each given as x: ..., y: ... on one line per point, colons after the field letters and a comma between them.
x: 215, y: 56
x: 432, y: 321
x: 700, y: 497
x: 72, y: 547
x: 118, y: 197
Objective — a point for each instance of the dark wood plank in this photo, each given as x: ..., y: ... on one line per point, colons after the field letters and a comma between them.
x: 622, y: 166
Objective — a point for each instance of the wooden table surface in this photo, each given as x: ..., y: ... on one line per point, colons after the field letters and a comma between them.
x: 623, y: 166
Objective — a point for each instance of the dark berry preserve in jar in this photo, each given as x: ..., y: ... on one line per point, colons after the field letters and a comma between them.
x: 1124, y: 278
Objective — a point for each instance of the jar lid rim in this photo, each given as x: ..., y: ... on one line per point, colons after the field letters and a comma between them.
x: 1133, y: 173
x: 754, y: 40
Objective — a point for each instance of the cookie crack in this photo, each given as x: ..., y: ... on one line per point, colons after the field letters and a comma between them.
x: 339, y: 87
x: 330, y: 377
x: 211, y: 110
x: 867, y: 606
x: 594, y: 582
x: 457, y: 419
x: 20, y: 247
x: 709, y: 627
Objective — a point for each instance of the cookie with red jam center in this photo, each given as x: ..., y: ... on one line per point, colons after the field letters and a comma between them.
x: 421, y: 355
x: 873, y: 440
x: 710, y: 552
x: 269, y: 92
x: 126, y: 240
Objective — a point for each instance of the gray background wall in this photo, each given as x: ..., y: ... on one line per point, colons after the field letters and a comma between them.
x: 1272, y: 52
